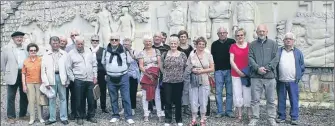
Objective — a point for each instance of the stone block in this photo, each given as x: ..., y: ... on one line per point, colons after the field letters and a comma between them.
x: 325, y: 88
x: 314, y: 83
x: 327, y: 78
x: 305, y: 77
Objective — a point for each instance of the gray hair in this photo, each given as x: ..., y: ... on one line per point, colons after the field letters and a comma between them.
x: 147, y: 37
x: 114, y: 35
x: 126, y: 39
x: 242, y: 30
x: 174, y: 38
x: 54, y: 38
x: 289, y: 35
x: 79, y: 38
x: 221, y: 27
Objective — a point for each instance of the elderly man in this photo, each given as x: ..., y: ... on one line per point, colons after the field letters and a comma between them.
x: 97, y: 51
x: 263, y: 61
x: 63, y: 43
x: 82, y: 70
x: 71, y: 41
x: 53, y: 72
x: 220, y: 52
x: 290, y: 69
x: 12, y: 58
x: 116, y: 60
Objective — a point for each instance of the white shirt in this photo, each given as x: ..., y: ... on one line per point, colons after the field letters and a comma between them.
x: 287, y: 66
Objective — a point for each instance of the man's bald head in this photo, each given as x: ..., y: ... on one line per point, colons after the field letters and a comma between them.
x: 74, y: 33
x: 262, y: 31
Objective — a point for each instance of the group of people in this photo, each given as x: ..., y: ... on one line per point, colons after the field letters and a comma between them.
x: 172, y: 74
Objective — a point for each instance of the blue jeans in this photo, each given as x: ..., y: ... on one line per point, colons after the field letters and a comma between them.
x: 223, y: 77
x: 292, y: 89
x: 114, y: 96
x: 61, y: 91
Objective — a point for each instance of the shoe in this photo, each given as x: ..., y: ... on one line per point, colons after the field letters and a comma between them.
x: 42, y: 121
x: 31, y: 122
x: 24, y: 118
x: 146, y: 118
x: 253, y: 122
x: 65, y: 122
x: 294, y: 122
x: 105, y: 111
x: 49, y: 122
x: 160, y: 119
x: 272, y: 122
x: 130, y: 121
x: 92, y: 120
x: 80, y: 121
x: 121, y: 112
x: 133, y: 111
x: 280, y: 120
x: 11, y: 121
x: 230, y: 115
x: 113, y: 120
x: 218, y: 116
x: 71, y: 117
x: 179, y: 124
x: 166, y: 124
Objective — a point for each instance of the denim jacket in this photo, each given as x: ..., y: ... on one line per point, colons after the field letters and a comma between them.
x: 299, y: 63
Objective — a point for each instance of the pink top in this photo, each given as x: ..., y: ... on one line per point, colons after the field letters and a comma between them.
x: 240, y: 58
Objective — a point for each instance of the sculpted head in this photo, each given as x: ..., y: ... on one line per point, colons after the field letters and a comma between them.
x: 124, y: 10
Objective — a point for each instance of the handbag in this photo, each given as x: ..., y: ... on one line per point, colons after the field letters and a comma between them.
x: 210, y: 78
x: 44, y: 101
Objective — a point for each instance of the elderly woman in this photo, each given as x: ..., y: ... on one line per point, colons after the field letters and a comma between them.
x: 239, y: 61
x: 150, y: 58
x: 31, y: 81
x: 133, y: 72
x: 173, y: 69
x: 199, y: 65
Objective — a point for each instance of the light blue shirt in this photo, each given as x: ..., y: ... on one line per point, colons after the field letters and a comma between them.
x: 21, y: 56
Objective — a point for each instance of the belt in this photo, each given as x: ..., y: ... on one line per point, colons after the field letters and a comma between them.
x: 56, y: 72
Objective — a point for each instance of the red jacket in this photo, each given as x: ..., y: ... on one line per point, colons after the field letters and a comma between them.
x: 150, y: 85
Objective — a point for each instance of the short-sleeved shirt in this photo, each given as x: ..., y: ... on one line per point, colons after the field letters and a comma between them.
x: 32, y: 70
x: 206, y: 60
x: 240, y: 58
x: 174, y: 67
x: 149, y: 61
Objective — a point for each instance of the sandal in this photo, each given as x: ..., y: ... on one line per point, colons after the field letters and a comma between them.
x: 239, y: 118
x: 193, y: 123
x: 202, y: 123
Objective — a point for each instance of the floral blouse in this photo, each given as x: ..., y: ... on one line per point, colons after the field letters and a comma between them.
x: 173, y: 68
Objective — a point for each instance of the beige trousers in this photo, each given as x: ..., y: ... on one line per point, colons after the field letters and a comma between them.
x: 34, y: 94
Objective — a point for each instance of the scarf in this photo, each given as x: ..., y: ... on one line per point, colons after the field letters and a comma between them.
x: 117, y: 52
x: 94, y: 50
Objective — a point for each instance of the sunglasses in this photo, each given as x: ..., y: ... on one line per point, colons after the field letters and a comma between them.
x: 95, y: 40
x: 114, y: 40
x: 32, y: 50
x: 75, y: 35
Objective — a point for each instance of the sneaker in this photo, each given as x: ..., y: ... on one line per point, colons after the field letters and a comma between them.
x: 113, y: 120
x: 179, y: 124
x: 280, y: 120
x: 230, y: 115
x: 166, y: 124
x: 272, y: 122
x: 130, y: 121
x: 218, y: 116
x: 294, y: 122
x: 253, y: 122
x: 80, y: 121
x: 121, y: 112
x: 31, y: 122
x: 42, y: 121
x: 146, y: 118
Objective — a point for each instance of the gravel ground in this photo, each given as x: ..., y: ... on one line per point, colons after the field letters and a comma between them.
x: 308, y: 117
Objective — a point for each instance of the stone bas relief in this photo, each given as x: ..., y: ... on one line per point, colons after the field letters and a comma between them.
x: 313, y: 27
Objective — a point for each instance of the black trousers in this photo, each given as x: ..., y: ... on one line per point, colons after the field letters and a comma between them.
x: 103, y: 90
x: 11, y: 93
x: 173, y: 93
x: 133, y: 91
x: 69, y: 89
x: 84, y: 91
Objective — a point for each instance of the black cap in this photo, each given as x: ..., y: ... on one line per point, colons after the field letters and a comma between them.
x: 17, y: 33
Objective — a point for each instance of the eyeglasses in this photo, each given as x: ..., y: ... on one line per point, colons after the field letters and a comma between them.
x: 33, y: 50
x: 75, y: 35
x: 222, y: 33
x: 114, y: 40
x: 239, y: 35
x: 95, y: 41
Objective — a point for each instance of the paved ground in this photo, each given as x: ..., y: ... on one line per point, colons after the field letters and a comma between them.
x: 308, y: 117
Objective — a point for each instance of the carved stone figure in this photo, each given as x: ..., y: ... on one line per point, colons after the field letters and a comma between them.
x: 220, y: 13
x: 177, y: 19
x: 246, y: 17
x: 162, y: 14
x: 103, y: 23
x: 126, y: 24
x: 199, y: 23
